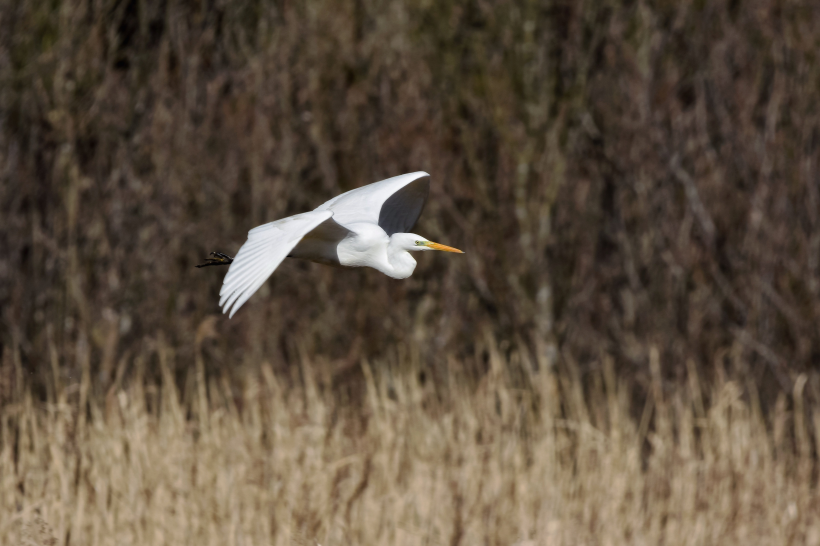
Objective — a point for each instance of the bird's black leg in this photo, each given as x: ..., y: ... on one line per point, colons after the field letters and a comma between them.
x: 218, y: 259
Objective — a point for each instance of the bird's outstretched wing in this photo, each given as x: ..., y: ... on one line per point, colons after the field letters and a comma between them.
x: 394, y: 204
x: 266, y: 247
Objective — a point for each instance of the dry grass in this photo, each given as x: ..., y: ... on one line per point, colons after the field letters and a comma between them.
x: 412, y: 464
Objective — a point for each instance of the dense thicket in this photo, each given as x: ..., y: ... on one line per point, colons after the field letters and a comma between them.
x: 623, y: 176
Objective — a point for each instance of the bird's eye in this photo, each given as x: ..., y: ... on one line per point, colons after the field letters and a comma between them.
x: 418, y: 243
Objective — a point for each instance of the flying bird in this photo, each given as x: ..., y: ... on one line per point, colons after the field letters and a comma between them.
x: 365, y: 227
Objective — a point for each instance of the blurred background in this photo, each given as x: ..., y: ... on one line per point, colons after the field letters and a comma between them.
x: 626, y: 178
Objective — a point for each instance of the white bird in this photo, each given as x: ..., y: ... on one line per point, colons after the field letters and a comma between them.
x: 365, y: 227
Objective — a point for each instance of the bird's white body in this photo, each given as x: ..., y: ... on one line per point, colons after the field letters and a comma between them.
x: 365, y: 227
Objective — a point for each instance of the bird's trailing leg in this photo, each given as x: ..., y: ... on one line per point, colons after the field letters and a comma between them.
x: 218, y: 259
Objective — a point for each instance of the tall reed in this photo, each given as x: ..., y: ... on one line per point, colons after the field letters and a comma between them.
x: 409, y: 462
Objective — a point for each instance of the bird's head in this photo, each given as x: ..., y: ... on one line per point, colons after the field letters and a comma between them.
x: 413, y: 242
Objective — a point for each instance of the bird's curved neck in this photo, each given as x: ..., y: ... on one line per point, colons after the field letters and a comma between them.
x: 401, y: 262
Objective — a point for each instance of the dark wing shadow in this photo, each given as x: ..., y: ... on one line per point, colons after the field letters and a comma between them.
x: 401, y: 211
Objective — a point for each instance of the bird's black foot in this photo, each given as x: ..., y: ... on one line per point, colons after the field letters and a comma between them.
x: 218, y: 259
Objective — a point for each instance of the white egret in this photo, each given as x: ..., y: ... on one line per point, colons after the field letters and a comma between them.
x: 365, y: 227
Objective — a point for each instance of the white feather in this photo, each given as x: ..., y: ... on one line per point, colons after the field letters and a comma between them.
x: 261, y: 254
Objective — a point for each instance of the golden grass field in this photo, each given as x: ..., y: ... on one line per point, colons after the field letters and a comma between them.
x: 542, y: 462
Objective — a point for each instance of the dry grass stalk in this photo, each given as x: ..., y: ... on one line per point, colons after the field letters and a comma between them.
x: 548, y: 464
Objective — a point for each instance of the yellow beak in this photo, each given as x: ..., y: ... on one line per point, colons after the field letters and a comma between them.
x: 445, y: 248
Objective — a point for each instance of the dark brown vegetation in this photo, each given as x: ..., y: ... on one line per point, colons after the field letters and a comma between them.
x: 622, y: 176
x: 628, y: 179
